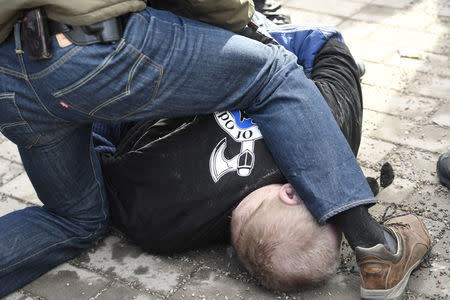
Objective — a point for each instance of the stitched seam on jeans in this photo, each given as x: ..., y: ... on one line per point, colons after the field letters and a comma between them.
x: 127, y: 88
x: 12, y: 73
x: 107, y: 102
x: 27, y: 79
x: 20, y: 114
x: 12, y: 96
x: 45, y: 249
x: 84, y: 80
x: 142, y: 17
x: 7, y: 95
x: 133, y: 71
x: 147, y: 60
x: 56, y: 65
x: 336, y: 209
x: 34, y: 142
x: 98, y: 184
x: 12, y: 125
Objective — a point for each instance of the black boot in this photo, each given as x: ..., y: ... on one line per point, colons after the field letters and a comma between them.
x: 443, y: 169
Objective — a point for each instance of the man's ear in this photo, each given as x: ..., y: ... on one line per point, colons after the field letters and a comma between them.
x: 289, y: 196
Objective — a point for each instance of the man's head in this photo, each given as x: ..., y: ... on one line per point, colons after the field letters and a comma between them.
x: 280, y: 243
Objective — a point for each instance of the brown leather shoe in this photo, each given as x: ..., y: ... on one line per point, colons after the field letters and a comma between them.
x: 384, y: 275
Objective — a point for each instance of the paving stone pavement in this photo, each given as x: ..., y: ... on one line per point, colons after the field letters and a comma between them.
x: 406, y: 123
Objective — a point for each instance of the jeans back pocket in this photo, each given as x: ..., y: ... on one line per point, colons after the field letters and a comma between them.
x: 123, y: 83
x: 12, y: 124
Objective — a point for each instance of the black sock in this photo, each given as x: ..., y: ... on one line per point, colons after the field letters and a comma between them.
x: 361, y: 229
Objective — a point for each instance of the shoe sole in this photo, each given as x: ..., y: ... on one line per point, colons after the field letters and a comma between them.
x: 394, y: 293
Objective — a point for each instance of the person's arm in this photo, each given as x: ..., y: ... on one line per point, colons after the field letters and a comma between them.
x: 232, y: 15
x: 336, y: 75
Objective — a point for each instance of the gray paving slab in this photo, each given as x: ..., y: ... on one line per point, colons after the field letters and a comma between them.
x: 443, y: 9
x: 371, y: 152
x: 386, y: 127
x: 406, y: 122
x: 432, y: 86
x: 341, y: 8
x: 403, y: 19
x: 21, y: 187
x: 442, y: 250
x: 117, y: 258
x: 414, y: 166
x: 387, y: 77
x: 430, y: 201
x: 8, y: 204
x: 17, y: 296
x: 9, y: 170
x: 429, y: 63
x: 208, y: 284
x: 403, y: 131
x: 342, y: 286
x: 396, y: 4
x: 374, y: 52
x: 354, y: 29
x: 370, y: 172
x: 117, y: 290
x: 432, y: 280
x: 396, y: 103
x: 375, y: 13
x: 222, y: 259
x: 430, y: 137
x: 67, y: 282
x: 440, y: 26
x: 307, y: 17
x: 442, y: 116
x: 8, y: 150
x: 398, y: 192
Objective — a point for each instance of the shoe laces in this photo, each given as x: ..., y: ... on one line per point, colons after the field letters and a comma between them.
x: 392, y: 214
x: 399, y: 224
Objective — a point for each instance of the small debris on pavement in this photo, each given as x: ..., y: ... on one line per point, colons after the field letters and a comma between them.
x: 410, y: 53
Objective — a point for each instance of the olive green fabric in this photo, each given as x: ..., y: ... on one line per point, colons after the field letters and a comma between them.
x: 229, y: 14
x: 79, y: 12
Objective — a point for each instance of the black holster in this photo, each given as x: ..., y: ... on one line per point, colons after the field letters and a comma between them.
x: 37, y: 29
x: 108, y: 31
x: 35, y: 33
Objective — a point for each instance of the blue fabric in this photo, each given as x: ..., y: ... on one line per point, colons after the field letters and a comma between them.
x: 305, y: 41
x: 106, y: 136
x: 164, y: 67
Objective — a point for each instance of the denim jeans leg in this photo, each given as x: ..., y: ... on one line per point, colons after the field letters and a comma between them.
x: 74, y: 215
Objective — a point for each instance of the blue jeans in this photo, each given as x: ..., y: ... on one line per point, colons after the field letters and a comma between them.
x: 165, y: 66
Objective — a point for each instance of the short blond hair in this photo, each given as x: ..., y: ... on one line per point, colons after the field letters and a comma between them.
x: 285, y: 248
